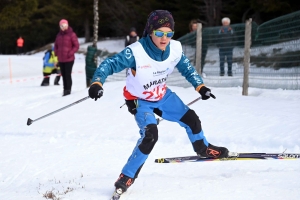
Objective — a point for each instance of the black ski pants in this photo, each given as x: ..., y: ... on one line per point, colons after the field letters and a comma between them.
x: 66, y: 71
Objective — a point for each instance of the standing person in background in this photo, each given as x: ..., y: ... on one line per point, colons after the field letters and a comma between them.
x: 20, y: 45
x: 132, y: 37
x: 226, y: 44
x: 151, y: 60
x: 66, y: 45
x: 193, y: 27
x: 50, y: 66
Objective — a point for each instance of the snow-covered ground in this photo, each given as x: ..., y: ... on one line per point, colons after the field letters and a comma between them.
x: 112, y: 46
x: 78, y: 153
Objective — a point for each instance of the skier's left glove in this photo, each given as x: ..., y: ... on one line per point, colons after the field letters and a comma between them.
x: 206, y: 93
x: 95, y: 91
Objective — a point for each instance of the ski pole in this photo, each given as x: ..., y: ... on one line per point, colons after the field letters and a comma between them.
x: 197, y: 99
x: 30, y: 121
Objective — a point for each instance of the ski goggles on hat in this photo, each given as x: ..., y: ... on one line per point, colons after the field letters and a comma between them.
x: 160, y: 34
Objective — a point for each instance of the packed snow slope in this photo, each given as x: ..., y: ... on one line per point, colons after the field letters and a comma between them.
x: 78, y: 153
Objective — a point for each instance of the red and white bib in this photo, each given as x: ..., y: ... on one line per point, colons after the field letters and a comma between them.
x: 149, y: 80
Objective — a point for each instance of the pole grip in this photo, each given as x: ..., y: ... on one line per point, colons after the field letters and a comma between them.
x: 208, y: 93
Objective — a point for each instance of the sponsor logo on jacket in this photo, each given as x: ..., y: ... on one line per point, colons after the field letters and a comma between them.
x: 156, y: 82
x: 158, y: 73
x: 144, y: 67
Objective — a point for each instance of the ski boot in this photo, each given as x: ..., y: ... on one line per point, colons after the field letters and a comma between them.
x: 212, y: 151
x: 123, y: 182
x: 66, y: 92
x: 56, y: 80
x: 45, y: 84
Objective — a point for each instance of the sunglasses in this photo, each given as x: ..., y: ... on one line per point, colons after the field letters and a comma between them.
x: 161, y: 34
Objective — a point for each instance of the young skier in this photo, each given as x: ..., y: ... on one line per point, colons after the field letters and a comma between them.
x: 150, y: 61
x: 50, y: 66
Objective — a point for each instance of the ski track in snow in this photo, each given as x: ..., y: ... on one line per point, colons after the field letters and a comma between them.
x: 85, y: 146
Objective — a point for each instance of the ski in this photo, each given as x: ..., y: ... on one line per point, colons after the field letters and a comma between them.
x: 117, y: 194
x: 232, y: 156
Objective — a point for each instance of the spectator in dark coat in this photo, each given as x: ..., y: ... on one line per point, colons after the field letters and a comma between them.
x: 66, y: 45
x: 226, y: 44
x: 132, y: 37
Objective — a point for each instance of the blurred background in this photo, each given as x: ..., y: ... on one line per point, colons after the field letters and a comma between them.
x: 37, y: 20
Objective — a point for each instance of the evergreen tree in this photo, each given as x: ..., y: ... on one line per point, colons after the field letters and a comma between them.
x: 16, y: 14
x: 37, y: 20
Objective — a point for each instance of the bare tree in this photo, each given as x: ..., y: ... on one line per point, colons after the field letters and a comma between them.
x: 96, y: 22
x: 210, y: 10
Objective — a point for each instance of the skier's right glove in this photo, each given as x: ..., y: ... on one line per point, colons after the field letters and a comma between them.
x: 131, y: 104
x: 95, y: 91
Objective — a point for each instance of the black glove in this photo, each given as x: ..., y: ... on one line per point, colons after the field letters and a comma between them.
x: 131, y: 104
x: 95, y: 91
x: 206, y: 93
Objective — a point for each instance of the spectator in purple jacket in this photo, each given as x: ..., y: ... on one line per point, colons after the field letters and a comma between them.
x: 66, y: 44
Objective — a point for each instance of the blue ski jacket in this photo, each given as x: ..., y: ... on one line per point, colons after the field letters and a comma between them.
x: 125, y: 59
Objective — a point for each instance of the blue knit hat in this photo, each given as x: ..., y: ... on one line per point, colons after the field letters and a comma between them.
x: 158, y: 19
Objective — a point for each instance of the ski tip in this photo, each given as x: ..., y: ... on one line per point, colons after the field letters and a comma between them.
x: 117, y: 194
x: 29, y: 121
x: 233, y: 154
x: 161, y: 160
